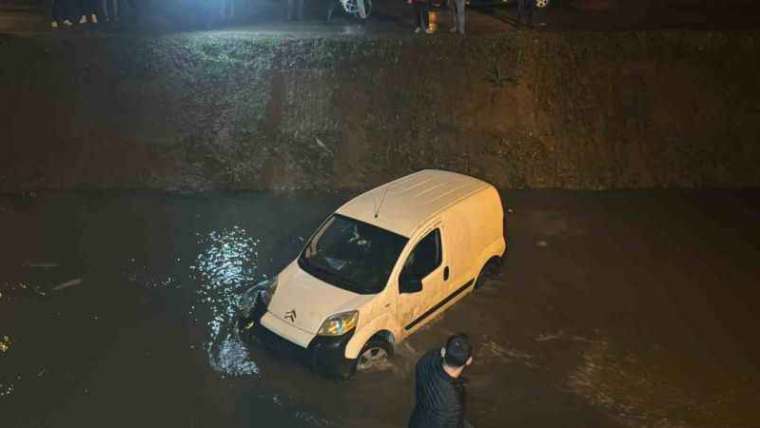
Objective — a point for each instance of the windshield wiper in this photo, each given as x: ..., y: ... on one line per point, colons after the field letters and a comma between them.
x: 329, y: 275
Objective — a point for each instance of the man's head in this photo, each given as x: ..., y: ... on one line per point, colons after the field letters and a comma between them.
x: 457, y: 354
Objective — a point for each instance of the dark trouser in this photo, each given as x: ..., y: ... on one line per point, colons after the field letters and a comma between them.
x: 457, y: 10
x: 227, y: 10
x: 421, y: 18
x: 295, y: 10
x: 60, y: 10
x: 111, y: 9
x: 88, y: 7
x: 114, y: 9
x: 331, y: 6
x: 132, y: 4
x: 525, y: 10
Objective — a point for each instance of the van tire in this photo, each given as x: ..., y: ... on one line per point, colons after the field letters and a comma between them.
x: 375, y: 349
x: 489, y: 270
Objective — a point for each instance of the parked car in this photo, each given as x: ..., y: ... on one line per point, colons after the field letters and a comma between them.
x: 379, y: 268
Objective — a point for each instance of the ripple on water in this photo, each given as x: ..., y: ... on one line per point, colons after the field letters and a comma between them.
x: 230, y: 357
x: 6, y: 389
x: 654, y: 388
x: 311, y: 419
x: 226, y: 263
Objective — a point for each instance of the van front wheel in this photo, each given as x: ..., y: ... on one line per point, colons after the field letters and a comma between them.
x: 374, y: 355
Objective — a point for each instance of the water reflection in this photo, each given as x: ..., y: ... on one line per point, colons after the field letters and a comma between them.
x: 144, y: 275
x: 6, y: 389
x: 161, y: 304
x: 224, y: 266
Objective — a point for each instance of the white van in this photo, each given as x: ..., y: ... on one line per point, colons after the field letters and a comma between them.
x: 379, y: 268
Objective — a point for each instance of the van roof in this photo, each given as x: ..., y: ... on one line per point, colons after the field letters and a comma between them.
x: 404, y: 204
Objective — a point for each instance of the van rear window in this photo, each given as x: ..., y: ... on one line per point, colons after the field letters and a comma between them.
x: 352, y: 255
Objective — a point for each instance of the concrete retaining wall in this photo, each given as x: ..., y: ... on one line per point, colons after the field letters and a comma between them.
x: 228, y: 110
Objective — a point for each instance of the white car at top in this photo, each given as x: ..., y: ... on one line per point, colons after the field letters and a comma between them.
x: 379, y: 268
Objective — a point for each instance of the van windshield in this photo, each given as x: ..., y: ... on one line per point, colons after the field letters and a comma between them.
x: 352, y: 255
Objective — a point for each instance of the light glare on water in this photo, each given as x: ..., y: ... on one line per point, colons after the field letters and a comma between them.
x: 224, y: 267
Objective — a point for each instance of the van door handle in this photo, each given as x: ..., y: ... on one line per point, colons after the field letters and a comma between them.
x: 446, y: 273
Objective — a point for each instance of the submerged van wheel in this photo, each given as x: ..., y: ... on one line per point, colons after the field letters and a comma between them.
x: 374, y: 355
x: 490, y: 270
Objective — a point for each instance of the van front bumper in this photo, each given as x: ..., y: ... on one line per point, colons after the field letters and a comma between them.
x: 328, y: 354
x: 286, y: 330
x: 324, y: 354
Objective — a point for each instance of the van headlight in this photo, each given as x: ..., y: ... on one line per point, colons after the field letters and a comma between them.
x: 339, y: 324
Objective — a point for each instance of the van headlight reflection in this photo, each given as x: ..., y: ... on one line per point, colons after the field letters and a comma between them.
x: 339, y: 324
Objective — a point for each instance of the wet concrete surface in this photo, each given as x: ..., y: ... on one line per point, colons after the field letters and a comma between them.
x: 612, y: 310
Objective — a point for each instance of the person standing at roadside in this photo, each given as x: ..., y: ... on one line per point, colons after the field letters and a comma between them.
x: 137, y: 8
x: 88, y: 9
x: 457, y: 9
x: 439, y: 389
x: 228, y: 11
x: 295, y: 10
x: 110, y: 10
x: 525, y: 10
x: 60, y: 14
x: 421, y: 15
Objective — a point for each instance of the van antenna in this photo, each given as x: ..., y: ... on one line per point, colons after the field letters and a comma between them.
x: 382, y: 199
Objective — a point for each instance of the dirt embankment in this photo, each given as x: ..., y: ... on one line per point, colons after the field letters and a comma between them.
x: 231, y: 110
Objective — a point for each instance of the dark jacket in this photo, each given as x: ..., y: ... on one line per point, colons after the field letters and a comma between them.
x: 440, y: 398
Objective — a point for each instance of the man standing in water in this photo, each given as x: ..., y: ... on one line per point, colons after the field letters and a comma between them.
x: 439, y: 390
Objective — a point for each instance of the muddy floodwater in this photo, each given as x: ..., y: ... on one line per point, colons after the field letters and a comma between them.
x: 612, y: 310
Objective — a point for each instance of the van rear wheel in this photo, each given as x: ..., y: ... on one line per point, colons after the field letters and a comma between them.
x: 374, y: 355
x: 489, y: 270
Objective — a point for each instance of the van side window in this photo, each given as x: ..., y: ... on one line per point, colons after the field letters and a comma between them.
x: 425, y: 257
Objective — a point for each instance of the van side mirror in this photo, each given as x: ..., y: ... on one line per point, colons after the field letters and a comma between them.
x: 410, y: 284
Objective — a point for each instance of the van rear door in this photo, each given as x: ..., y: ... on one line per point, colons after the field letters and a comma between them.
x: 462, y: 255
